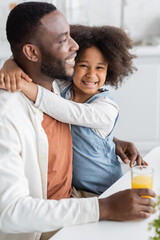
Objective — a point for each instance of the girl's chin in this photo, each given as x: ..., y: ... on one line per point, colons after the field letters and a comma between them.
x: 89, y: 91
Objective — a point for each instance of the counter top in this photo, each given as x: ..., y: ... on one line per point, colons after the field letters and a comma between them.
x: 113, y: 230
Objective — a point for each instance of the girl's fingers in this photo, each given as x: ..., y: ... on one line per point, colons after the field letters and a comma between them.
x: 26, y: 77
x: 2, y: 84
x: 7, y: 83
x: 19, y: 82
x: 13, y: 84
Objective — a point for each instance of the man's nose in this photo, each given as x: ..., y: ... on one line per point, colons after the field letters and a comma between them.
x: 74, y: 45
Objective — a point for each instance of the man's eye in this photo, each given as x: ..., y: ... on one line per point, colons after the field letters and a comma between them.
x: 62, y: 41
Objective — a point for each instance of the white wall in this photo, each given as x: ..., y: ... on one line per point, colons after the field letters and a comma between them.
x: 139, y: 101
x: 104, y: 12
x: 4, y: 11
x: 141, y: 17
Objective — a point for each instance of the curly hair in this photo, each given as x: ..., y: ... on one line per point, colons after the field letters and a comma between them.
x: 113, y: 43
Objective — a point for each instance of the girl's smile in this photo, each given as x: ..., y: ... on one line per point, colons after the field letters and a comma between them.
x: 90, y: 74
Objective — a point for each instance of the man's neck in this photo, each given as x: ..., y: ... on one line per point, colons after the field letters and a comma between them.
x: 40, y: 79
x: 45, y: 82
x: 33, y: 71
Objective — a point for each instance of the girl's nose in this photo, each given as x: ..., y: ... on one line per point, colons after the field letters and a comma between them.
x: 90, y: 73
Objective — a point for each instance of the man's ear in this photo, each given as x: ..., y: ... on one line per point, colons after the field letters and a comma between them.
x: 31, y: 52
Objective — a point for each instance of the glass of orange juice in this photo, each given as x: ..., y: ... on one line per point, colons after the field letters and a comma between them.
x: 142, y: 177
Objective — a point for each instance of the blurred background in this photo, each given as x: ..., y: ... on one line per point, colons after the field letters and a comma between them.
x: 139, y: 97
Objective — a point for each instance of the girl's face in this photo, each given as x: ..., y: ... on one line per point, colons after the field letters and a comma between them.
x: 90, y: 72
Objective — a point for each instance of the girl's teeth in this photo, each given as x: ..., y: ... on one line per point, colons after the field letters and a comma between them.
x: 88, y: 83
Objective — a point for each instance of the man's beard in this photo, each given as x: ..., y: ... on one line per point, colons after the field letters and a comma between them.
x: 53, y: 67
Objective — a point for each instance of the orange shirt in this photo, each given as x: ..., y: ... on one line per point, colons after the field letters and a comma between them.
x: 60, y: 158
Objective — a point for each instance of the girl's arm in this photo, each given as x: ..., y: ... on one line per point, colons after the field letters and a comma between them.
x: 99, y: 114
x: 11, y: 75
x: 29, y: 89
x: 13, y: 78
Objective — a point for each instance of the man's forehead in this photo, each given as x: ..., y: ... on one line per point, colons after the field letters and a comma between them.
x: 55, y: 22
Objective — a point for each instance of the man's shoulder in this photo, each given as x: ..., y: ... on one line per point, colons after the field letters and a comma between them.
x: 9, y: 101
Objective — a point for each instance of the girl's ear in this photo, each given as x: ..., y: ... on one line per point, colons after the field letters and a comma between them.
x: 31, y: 52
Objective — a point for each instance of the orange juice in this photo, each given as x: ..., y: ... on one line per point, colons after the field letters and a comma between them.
x: 142, y: 181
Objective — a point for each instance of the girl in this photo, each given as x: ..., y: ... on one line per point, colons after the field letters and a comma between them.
x: 103, y: 59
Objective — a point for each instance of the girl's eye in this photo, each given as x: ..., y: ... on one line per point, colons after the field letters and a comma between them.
x: 99, y: 67
x: 83, y: 65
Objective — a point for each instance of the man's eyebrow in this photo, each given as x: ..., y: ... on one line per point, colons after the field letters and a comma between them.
x: 62, y: 35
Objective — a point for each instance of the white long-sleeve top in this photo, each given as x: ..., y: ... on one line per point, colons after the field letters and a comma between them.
x: 99, y: 114
x: 24, y: 210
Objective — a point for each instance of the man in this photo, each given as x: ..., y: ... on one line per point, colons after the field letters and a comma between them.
x: 29, y: 140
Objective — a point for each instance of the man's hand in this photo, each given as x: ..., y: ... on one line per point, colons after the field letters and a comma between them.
x: 127, y: 205
x: 128, y: 152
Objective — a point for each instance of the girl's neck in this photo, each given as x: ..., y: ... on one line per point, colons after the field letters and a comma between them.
x: 81, y: 97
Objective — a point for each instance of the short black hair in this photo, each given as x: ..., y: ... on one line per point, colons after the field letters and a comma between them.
x: 23, y: 22
x: 113, y: 43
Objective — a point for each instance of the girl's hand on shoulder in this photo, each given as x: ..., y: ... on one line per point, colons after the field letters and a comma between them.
x: 12, y: 76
